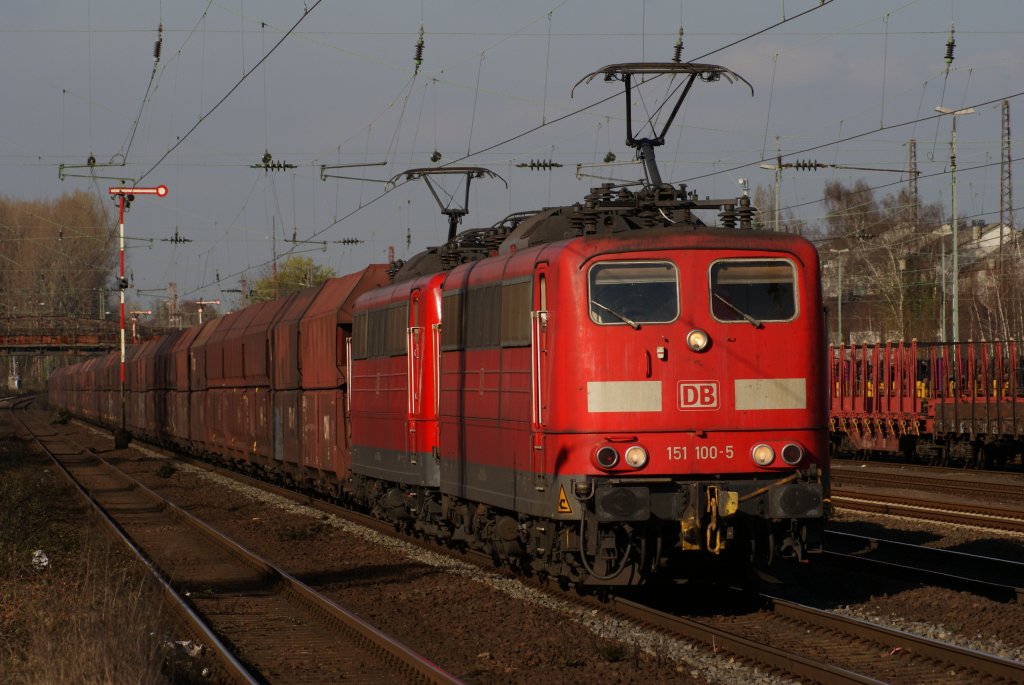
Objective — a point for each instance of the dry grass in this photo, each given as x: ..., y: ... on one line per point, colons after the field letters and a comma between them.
x: 92, y: 616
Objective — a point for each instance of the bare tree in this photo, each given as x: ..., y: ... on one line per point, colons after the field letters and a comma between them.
x: 58, y: 258
x: 992, y: 289
x: 889, y: 268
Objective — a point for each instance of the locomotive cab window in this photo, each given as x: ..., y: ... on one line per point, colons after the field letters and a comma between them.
x: 753, y: 290
x: 633, y: 293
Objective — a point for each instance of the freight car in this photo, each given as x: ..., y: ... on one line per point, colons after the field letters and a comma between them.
x: 606, y: 393
x: 939, y: 403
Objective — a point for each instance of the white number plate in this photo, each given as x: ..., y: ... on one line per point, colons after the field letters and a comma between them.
x: 684, y: 452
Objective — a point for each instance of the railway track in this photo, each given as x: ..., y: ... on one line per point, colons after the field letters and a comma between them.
x: 262, y: 624
x: 16, y: 402
x: 946, y: 511
x: 764, y: 636
x: 827, y: 660
x: 825, y: 647
x: 830, y: 659
x: 943, y: 481
x: 998, y: 579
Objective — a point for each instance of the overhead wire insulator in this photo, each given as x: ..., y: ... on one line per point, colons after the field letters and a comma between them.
x: 950, y: 47
x: 678, y: 55
x: 267, y: 163
x: 178, y: 239
x: 539, y: 164
x: 159, y: 43
x: 418, y: 59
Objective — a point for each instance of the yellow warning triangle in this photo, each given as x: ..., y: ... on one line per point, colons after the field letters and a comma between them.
x: 563, y: 502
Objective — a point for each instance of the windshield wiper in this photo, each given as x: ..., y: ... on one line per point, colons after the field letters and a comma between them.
x: 747, y: 317
x: 616, y: 314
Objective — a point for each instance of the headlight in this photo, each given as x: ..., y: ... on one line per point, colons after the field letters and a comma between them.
x: 636, y: 456
x: 792, y: 454
x: 607, y: 457
x: 697, y: 340
x: 763, y: 454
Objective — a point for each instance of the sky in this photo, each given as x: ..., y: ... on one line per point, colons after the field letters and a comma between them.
x: 328, y: 82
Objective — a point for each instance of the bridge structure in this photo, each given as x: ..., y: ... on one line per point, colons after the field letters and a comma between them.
x: 49, y: 335
x: 32, y: 347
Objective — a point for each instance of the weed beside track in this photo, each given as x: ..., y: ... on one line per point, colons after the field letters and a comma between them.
x: 74, y: 606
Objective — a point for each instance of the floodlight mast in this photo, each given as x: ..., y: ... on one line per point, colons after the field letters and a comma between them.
x: 953, y: 114
x: 625, y: 72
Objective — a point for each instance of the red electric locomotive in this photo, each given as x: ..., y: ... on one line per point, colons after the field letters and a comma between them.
x: 600, y: 407
x: 608, y: 393
x: 616, y: 390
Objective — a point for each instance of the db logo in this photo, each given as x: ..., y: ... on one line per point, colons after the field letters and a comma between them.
x: 698, y: 395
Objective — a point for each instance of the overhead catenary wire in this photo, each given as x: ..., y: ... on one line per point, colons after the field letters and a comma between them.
x: 481, y: 151
x: 885, y: 56
x: 849, y: 138
x: 921, y: 176
x: 771, y: 95
x: 336, y: 212
x: 233, y: 88
x: 476, y: 96
x: 470, y: 152
x: 824, y: 3
x: 145, y: 96
x: 547, y: 68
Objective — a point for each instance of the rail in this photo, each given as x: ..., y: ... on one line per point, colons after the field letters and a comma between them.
x: 342, y: 637
x: 997, y: 579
